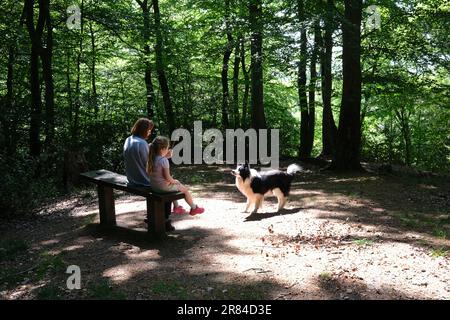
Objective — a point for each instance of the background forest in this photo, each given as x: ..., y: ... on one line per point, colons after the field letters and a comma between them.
x: 364, y: 80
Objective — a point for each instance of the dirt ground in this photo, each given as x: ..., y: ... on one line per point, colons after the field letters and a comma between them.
x: 363, y: 236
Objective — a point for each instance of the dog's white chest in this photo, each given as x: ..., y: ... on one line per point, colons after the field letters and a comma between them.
x: 244, y: 186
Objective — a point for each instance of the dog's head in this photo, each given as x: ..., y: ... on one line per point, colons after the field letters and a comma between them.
x: 242, y: 170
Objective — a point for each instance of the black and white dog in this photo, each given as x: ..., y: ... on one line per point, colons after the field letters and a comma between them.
x: 255, y: 185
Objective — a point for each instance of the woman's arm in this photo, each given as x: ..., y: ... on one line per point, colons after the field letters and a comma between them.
x: 168, y: 177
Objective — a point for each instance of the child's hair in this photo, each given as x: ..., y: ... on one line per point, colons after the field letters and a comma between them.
x: 156, y: 146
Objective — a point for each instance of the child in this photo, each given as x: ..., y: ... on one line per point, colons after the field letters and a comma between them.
x: 160, y: 178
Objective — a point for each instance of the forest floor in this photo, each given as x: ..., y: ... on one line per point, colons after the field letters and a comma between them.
x: 361, y: 236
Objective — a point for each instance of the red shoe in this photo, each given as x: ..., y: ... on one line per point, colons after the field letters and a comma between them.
x: 179, y: 210
x: 197, y: 210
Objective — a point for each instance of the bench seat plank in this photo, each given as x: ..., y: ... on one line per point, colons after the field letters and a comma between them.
x: 118, y: 181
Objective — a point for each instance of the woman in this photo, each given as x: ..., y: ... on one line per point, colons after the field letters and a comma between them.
x: 135, y: 153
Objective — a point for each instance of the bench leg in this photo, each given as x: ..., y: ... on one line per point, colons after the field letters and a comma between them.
x: 106, y: 206
x: 156, y: 218
x: 167, y: 209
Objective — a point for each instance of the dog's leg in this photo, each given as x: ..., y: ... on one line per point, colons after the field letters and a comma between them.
x: 258, y: 201
x: 247, y: 205
x: 285, y: 201
x: 281, y: 198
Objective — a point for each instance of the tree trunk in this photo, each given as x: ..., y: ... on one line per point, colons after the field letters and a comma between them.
x: 160, y: 68
x: 8, y: 121
x: 148, y: 68
x: 329, y: 129
x: 301, y: 81
x: 75, y: 128
x: 47, y: 70
x: 237, y: 61
x: 312, y: 92
x: 246, y: 86
x: 93, y: 80
x: 225, y: 61
x: 35, y: 34
x: 403, y: 119
x: 69, y: 88
x: 257, y: 101
x: 348, y: 148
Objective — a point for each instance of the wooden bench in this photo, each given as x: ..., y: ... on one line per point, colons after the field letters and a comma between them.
x: 158, y: 204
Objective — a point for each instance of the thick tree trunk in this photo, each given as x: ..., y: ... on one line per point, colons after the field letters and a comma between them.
x: 148, y: 68
x: 257, y: 101
x: 301, y: 81
x: 160, y: 68
x: 348, y: 148
x: 245, y: 72
x: 237, y: 61
x: 329, y: 129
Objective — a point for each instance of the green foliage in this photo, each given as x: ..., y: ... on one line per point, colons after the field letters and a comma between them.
x: 165, y: 289
x: 9, y: 277
x: 20, y: 192
x: 49, y: 263
x: 363, y: 242
x: 49, y: 292
x: 105, y: 291
x: 325, y: 276
x: 280, y: 103
x: 11, y: 248
x: 406, y: 86
x: 440, y: 233
x: 439, y: 252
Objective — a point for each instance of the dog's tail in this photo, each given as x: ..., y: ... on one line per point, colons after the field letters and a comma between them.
x: 293, y: 168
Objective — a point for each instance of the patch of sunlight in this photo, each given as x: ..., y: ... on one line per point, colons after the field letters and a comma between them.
x: 49, y: 242
x: 72, y: 248
x: 125, y: 272
x: 60, y: 234
x: 84, y: 240
x: 130, y: 207
x: 427, y: 186
x: 354, y: 179
x: 118, y: 274
x: 86, y: 213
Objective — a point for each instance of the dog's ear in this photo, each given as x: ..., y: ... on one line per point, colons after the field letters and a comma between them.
x: 246, y: 163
